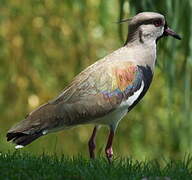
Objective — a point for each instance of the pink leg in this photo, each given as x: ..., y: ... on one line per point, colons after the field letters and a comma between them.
x: 108, y: 149
x: 92, y: 144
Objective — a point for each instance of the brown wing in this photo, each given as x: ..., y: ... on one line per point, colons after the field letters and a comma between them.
x: 95, y: 93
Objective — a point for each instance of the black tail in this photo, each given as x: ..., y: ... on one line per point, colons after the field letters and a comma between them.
x: 33, y: 126
x: 22, y: 138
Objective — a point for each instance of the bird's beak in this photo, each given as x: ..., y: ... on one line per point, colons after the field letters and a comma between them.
x: 170, y: 32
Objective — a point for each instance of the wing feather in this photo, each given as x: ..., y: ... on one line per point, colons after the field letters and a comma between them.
x: 94, y: 94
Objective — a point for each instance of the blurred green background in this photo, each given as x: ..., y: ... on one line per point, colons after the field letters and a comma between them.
x: 45, y: 43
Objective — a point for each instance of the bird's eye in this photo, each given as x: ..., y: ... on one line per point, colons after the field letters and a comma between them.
x: 158, y: 22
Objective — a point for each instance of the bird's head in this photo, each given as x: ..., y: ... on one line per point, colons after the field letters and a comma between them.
x: 148, y: 26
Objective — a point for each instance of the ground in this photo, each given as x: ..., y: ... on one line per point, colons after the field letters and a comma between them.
x: 20, y: 166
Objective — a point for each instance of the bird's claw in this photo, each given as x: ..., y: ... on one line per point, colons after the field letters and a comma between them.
x: 109, y: 154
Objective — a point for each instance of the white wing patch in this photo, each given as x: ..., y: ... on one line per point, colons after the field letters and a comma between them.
x: 114, y: 117
x: 45, y: 132
x: 19, y: 147
x: 134, y: 97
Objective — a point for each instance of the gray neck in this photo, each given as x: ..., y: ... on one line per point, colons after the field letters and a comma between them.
x: 143, y: 49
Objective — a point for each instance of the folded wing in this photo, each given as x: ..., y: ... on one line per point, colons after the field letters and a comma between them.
x: 94, y: 93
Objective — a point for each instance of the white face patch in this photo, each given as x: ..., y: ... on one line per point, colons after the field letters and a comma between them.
x: 161, y: 32
x: 150, y: 32
x: 19, y: 147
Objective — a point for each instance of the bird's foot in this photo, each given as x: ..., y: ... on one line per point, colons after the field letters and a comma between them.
x: 109, y: 154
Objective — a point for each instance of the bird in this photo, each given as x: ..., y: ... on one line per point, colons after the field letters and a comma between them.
x: 104, y: 92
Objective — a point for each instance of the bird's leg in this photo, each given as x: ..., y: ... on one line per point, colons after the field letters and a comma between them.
x: 108, y: 149
x: 92, y: 144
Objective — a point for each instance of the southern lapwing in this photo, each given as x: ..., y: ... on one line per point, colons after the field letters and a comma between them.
x: 104, y: 92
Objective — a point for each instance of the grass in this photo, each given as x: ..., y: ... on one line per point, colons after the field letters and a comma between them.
x: 20, y: 166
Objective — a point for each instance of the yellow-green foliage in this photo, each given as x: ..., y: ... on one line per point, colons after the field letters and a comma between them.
x: 45, y: 43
